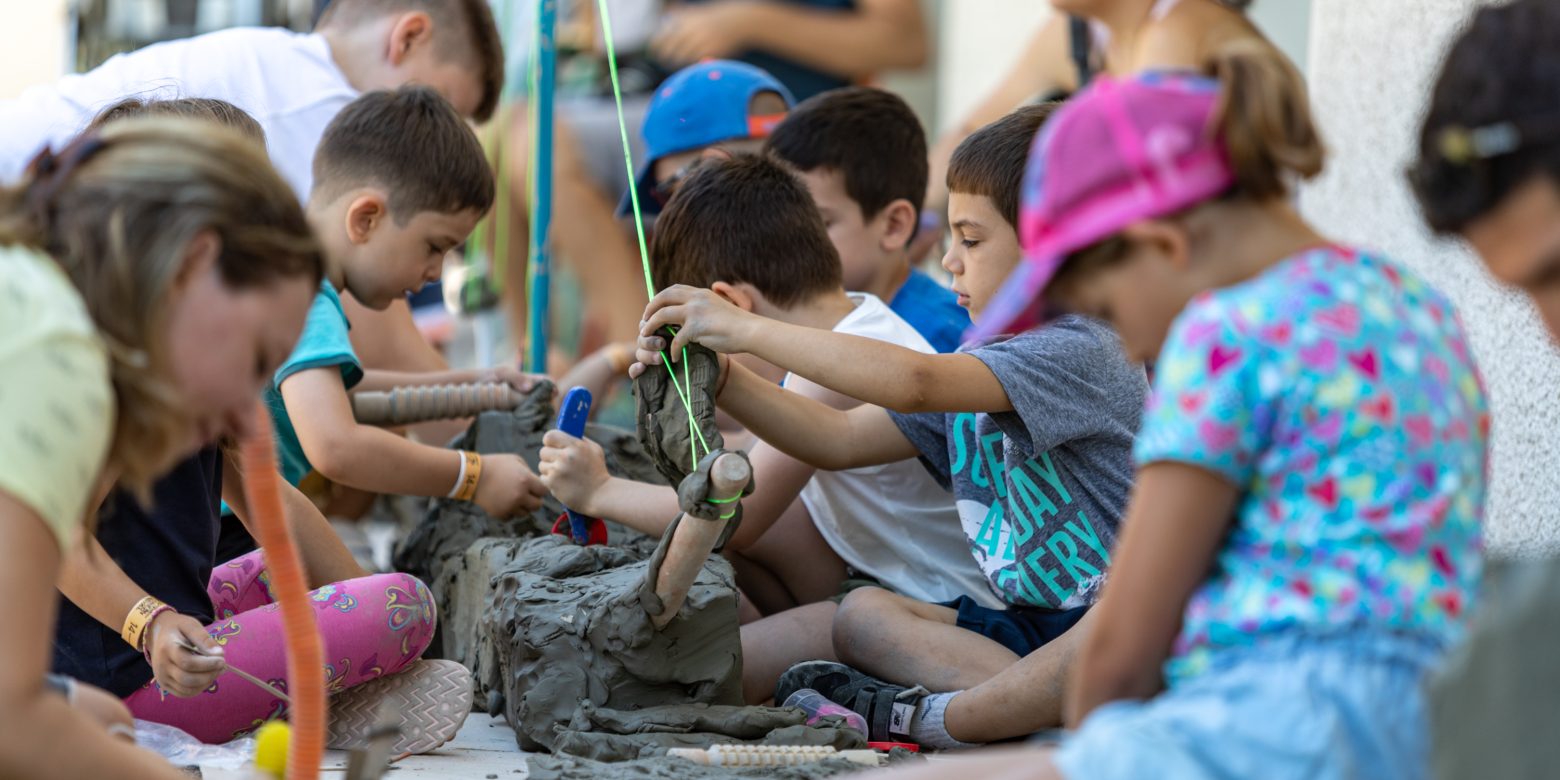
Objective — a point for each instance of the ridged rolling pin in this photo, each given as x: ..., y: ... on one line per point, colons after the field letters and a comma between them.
x: 772, y: 755
x: 408, y: 405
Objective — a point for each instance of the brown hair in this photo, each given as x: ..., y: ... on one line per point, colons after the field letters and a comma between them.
x: 209, y: 109
x: 991, y: 161
x: 745, y: 220
x: 411, y: 143
x: 1263, y: 118
x: 869, y: 135
x: 464, y: 32
x: 1498, y: 81
x: 117, y: 209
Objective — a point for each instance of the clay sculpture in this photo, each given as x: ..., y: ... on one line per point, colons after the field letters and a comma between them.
x: 439, y: 551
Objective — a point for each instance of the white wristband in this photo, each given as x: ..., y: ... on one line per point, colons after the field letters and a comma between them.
x: 461, y: 479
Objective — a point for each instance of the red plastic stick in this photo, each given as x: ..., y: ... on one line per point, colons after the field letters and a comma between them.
x: 305, y: 648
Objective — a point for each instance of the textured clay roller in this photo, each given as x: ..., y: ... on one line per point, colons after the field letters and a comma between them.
x: 772, y: 755
x: 407, y: 405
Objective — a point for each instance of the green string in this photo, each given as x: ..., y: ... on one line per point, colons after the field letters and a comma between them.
x: 628, y: 155
x: 693, y: 430
x: 696, y: 436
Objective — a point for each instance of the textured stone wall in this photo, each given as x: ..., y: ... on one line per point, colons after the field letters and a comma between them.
x: 1370, y: 67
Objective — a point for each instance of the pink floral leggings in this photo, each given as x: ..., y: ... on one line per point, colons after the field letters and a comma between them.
x: 372, y: 626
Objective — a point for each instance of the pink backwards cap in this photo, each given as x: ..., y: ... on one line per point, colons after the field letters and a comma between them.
x: 1118, y: 152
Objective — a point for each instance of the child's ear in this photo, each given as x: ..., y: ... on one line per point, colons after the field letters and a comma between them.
x: 409, y: 30
x: 742, y: 296
x: 1164, y: 238
x: 364, y: 214
x: 899, y: 222
x: 200, y: 255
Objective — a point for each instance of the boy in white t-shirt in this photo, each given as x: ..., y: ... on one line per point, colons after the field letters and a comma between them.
x: 293, y: 84
x: 747, y: 229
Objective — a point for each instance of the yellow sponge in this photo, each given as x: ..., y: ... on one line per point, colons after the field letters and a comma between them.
x: 271, y: 743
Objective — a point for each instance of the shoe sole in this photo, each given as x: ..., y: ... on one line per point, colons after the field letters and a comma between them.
x: 428, y: 702
x: 802, y: 675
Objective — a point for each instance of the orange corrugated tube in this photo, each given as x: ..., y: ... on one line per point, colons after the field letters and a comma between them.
x: 305, y: 648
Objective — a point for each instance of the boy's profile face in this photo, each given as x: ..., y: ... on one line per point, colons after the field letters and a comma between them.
x: 396, y: 260
x: 858, y: 239
x: 983, y: 252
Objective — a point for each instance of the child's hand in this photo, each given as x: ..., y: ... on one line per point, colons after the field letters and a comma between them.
x: 513, y: 377
x: 507, y: 487
x: 646, y: 354
x: 698, y: 315
x: 179, y: 671
x: 573, y: 469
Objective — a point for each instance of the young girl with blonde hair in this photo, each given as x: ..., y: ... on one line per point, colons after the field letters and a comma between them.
x: 154, y: 273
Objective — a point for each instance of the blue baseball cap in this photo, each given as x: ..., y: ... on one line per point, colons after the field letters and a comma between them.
x: 701, y: 105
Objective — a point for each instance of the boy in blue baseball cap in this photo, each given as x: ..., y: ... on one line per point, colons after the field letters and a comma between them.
x: 716, y: 103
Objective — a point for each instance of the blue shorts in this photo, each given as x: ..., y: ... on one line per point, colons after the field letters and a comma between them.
x: 1018, y: 629
x: 1348, y: 705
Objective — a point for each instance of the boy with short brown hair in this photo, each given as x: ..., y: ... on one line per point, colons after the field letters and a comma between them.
x: 862, y: 153
x: 400, y: 180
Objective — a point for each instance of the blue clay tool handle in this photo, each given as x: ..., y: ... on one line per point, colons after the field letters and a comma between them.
x: 571, y: 420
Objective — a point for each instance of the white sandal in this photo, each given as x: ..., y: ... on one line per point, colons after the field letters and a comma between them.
x: 428, y: 703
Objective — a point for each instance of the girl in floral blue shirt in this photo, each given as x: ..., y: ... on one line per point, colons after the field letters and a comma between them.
x: 1302, y: 542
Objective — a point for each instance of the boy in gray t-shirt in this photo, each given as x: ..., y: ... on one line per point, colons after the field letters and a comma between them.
x: 1040, y: 488
x: 1032, y: 434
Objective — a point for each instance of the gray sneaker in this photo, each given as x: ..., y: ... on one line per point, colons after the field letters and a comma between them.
x: 887, y: 708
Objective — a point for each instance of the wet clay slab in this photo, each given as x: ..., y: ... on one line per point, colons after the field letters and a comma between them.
x: 618, y: 735
x: 663, y: 768
x: 565, y: 634
x: 560, y: 633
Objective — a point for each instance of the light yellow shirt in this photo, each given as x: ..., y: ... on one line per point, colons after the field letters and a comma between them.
x: 56, y: 401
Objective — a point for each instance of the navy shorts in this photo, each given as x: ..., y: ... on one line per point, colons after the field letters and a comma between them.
x: 1018, y: 629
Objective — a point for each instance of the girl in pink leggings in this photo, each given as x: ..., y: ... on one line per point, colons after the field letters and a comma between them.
x: 373, y: 627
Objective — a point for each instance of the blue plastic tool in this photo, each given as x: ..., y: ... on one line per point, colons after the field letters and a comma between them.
x: 571, y: 420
